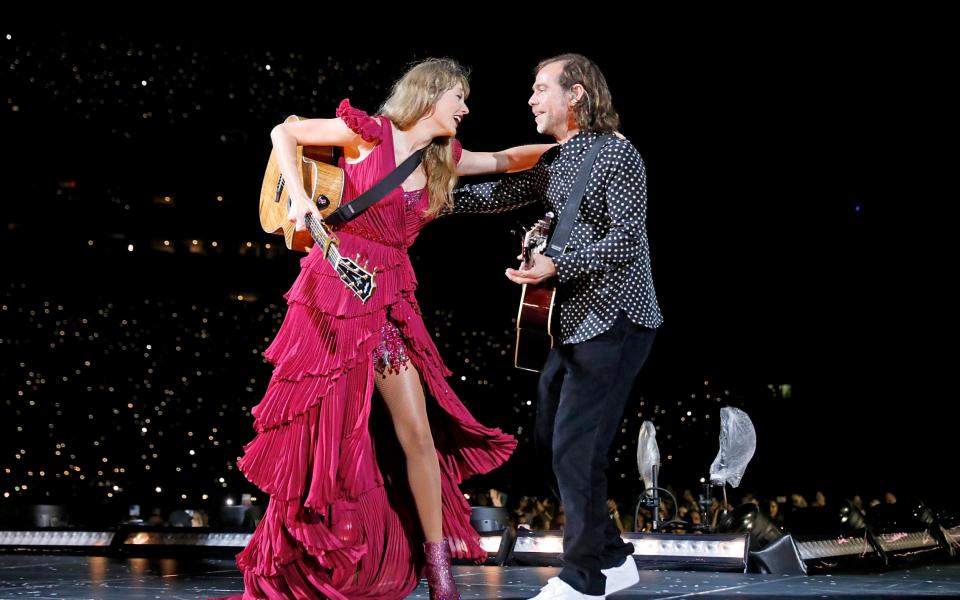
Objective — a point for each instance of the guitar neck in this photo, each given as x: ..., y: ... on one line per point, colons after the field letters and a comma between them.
x: 322, y: 238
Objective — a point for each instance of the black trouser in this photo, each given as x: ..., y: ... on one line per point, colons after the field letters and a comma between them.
x: 583, y: 392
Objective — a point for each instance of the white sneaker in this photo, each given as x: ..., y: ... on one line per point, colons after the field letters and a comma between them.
x: 558, y: 589
x: 622, y: 577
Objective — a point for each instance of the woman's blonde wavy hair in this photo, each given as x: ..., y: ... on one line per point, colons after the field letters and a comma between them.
x: 415, y: 96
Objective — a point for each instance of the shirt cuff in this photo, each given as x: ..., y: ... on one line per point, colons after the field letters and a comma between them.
x: 566, y: 267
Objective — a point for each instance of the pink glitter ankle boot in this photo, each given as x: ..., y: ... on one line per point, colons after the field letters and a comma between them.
x: 439, y: 576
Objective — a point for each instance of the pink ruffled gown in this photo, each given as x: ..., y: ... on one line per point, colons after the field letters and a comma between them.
x: 341, y: 522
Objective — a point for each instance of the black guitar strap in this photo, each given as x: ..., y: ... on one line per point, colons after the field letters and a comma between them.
x: 351, y: 210
x: 561, y: 234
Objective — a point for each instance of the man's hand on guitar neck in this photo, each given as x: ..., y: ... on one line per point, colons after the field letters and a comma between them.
x: 541, y: 270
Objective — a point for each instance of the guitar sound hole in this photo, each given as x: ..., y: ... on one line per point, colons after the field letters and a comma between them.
x: 323, y: 201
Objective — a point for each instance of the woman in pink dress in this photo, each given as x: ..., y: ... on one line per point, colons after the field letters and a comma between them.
x: 349, y: 507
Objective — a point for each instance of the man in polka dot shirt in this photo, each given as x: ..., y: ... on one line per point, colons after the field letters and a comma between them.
x: 607, y: 307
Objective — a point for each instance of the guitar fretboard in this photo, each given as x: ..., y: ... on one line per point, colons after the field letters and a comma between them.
x: 322, y: 239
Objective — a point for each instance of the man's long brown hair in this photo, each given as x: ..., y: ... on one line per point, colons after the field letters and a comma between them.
x: 594, y: 112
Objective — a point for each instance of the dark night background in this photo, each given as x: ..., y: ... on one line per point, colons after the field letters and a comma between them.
x: 798, y: 194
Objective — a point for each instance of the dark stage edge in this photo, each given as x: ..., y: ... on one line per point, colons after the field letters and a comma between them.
x: 85, y: 577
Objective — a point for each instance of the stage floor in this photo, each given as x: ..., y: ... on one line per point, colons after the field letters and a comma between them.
x: 85, y: 577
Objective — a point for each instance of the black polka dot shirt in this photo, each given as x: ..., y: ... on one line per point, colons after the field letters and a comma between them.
x: 606, y: 265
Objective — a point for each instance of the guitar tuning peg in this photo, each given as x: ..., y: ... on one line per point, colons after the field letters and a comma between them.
x: 357, y: 257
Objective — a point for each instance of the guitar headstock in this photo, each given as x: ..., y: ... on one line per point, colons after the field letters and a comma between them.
x: 535, y: 239
x: 359, y: 280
